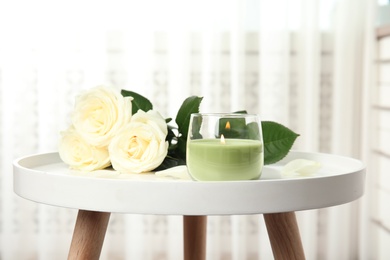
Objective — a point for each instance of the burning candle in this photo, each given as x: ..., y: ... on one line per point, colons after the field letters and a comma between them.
x: 214, y: 157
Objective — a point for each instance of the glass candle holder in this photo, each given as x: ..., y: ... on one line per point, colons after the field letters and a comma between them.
x: 225, y: 147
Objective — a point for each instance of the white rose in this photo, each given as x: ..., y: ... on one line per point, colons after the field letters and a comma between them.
x: 140, y: 146
x: 99, y: 114
x: 80, y: 155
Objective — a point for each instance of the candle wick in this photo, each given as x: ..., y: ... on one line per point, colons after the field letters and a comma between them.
x: 222, y: 139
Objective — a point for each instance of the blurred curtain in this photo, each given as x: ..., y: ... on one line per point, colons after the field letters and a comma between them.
x: 298, y: 62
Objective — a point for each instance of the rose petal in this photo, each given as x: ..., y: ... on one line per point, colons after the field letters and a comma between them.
x: 300, y: 167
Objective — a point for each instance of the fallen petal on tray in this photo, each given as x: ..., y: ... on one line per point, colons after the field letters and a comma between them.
x: 300, y: 167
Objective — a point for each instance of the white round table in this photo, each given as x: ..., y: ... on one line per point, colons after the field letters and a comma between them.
x: 44, y: 178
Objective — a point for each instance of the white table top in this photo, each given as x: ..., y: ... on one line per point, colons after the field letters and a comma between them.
x: 44, y: 178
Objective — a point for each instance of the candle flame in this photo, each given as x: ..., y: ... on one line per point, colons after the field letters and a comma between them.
x: 227, y: 126
x: 222, y: 139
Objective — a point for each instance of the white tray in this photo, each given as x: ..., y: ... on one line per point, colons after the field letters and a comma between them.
x: 44, y: 178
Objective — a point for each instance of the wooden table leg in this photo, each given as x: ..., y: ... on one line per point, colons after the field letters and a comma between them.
x: 195, y: 237
x: 284, y: 236
x: 88, y: 235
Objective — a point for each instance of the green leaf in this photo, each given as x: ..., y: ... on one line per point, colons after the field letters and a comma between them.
x: 139, y: 101
x: 181, y: 150
x: 278, y: 141
x: 170, y: 135
x: 189, y: 106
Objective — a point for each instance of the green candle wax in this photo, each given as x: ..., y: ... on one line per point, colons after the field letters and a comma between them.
x: 236, y: 159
